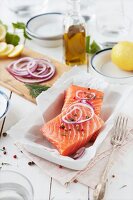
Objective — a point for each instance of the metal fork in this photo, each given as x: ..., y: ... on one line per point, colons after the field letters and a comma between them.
x: 117, y: 139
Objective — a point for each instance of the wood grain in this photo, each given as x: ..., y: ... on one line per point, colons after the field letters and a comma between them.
x: 8, y: 81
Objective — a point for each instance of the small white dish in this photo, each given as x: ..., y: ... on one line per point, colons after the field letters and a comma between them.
x: 4, y: 104
x: 46, y: 29
x: 102, y: 66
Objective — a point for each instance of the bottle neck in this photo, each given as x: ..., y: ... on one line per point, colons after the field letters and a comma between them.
x: 74, y: 7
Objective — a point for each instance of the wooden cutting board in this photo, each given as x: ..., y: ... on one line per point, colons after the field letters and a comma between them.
x: 12, y: 84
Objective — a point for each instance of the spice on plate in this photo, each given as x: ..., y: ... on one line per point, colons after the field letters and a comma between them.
x: 4, y: 134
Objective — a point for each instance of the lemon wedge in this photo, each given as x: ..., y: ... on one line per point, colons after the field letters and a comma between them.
x: 2, y: 32
x: 17, y: 51
x: 122, y: 55
x: 3, y: 47
x: 8, y: 50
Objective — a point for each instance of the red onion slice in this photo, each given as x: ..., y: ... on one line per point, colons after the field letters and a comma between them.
x: 31, y: 70
x: 73, y: 107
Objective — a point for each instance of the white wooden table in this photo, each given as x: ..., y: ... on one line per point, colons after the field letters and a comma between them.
x: 45, y: 188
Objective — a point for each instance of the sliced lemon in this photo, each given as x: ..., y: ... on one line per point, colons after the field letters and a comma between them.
x: 17, y: 51
x: 8, y: 50
x: 3, y: 47
x: 2, y: 32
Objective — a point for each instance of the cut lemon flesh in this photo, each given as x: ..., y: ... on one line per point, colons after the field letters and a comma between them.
x: 2, y: 32
x: 8, y: 50
x: 17, y: 51
x: 3, y: 47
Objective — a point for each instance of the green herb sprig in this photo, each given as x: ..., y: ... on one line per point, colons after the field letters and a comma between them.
x: 13, y: 38
x: 35, y: 90
x: 91, y: 47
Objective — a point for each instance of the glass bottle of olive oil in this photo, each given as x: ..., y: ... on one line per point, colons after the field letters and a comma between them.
x: 74, y: 35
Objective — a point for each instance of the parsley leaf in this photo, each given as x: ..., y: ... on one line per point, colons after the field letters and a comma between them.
x: 12, y: 39
x: 21, y: 25
x: 93, y: 47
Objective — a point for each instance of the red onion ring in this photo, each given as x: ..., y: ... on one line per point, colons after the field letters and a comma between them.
x: 32, y: 70
x: 74, y: 106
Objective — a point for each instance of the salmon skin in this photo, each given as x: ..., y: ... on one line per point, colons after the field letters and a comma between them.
x: 74, y: 127
x: 90, y: 96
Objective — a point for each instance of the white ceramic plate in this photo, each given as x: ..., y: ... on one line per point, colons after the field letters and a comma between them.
x: 46, y: 29
x: 101, y: 65
x: 4, y: 104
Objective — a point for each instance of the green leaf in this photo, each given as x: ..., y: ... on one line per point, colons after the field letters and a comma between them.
x: 94, y: 47
x: 19, y: 25
x: 35, y: 90
x: 88, y: 44
x: 25, y: 35
x: 12, y: 39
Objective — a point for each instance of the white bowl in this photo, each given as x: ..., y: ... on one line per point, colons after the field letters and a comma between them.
x: 102, y: 66
x: 46, y: 29
x: 4, y: 104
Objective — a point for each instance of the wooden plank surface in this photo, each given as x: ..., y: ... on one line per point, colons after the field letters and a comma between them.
x: 8, y: 81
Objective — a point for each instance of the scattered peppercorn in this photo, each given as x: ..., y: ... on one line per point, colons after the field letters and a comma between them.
x: 71, y: 120
x: 4, y: 153
x: 60, y: 166
x: 21, y: 151
x: 88, y: 88
x: 4, y: 134
x: 113, y: 176
x: 3, y: 148
x: 75, y: 181
x: 15, y: 156
x: 31, y: 163
x: 62, y: 126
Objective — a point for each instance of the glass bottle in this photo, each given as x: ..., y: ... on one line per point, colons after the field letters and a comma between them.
x: 74, y: 35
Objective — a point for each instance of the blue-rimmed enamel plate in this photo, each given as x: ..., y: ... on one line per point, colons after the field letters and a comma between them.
x: 101, y: 65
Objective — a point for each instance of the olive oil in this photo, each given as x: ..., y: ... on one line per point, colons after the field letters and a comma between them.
x: 74, y: 45
x: 74, y: 38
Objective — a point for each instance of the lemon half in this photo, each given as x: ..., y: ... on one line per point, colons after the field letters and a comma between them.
x: 17, y: 51
x: 2, y: 32
x: 122, y: 55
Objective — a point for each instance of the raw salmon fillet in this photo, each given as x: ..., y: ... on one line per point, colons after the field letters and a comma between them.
x: 76, y: 93
x: 73, y: 128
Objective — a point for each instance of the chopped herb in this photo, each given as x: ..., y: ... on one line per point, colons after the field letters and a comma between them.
x: 35, y: 90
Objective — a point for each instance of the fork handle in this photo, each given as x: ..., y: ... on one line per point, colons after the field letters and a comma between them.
x: 101, y: 186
